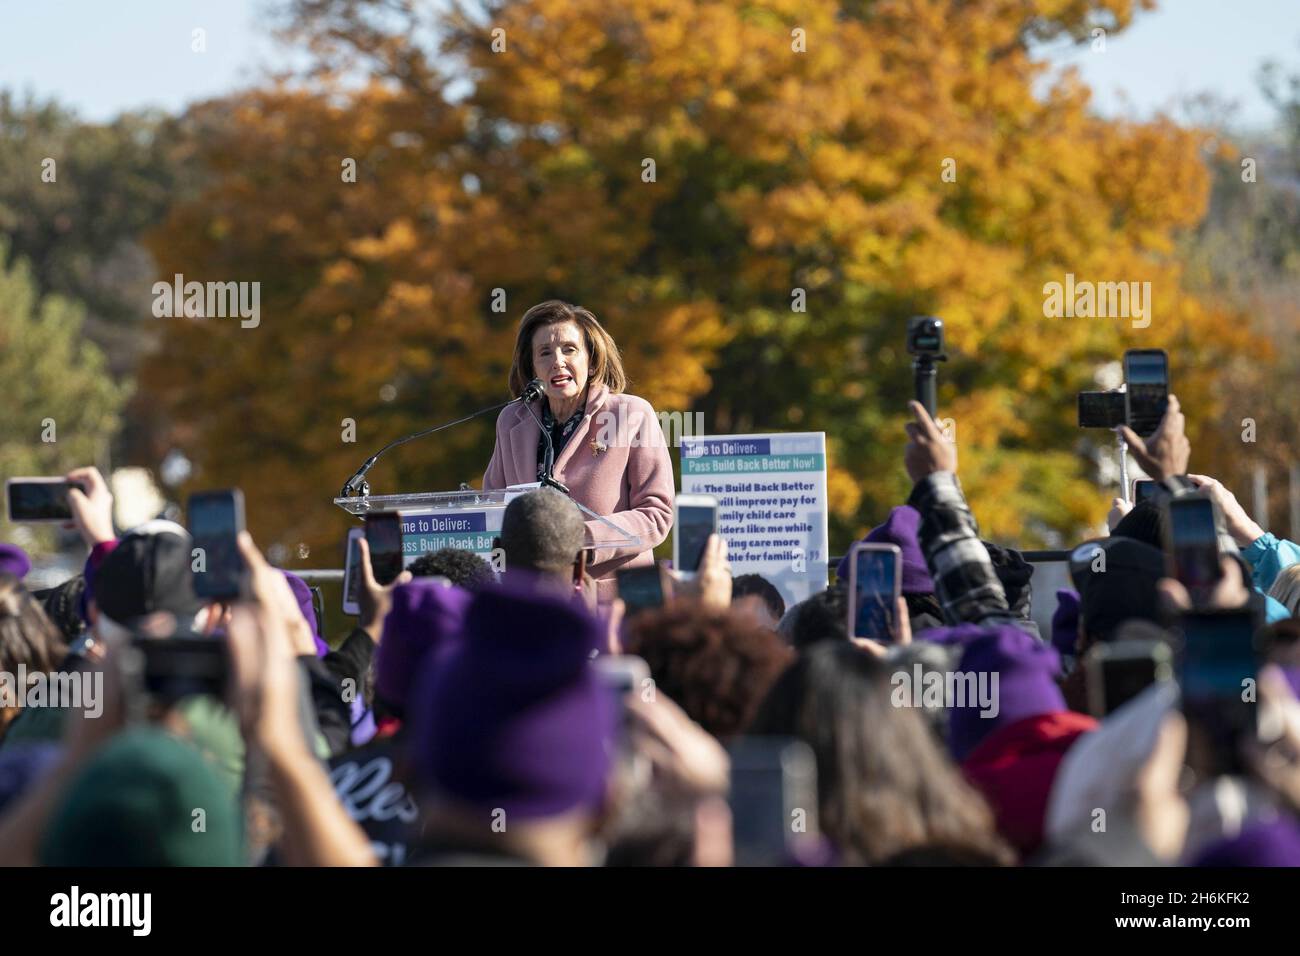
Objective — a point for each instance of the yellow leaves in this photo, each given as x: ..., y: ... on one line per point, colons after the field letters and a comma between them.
x: 667, y: 349
x: 341, y: 272
x: 723, y: 100
x: 843, y: 494
x: 399, y: 237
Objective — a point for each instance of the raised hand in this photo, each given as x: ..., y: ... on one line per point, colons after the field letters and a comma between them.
x: 1166, y: 452
x: 1239, y: 524
x: 376, y: 599
x: 92, y: 510
x: 927, y: 450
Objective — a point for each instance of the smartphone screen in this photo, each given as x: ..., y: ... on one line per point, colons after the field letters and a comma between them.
x: 1101, y: 409
x: 352, y: 581
x: 216, y: 517
x: 694, y: 525
x: 177, y: 667
x: 384, y: 535
x: 1143, y: 488
x: 1194, y: 545
x: 773, y: 799
x: 1125, y: 678
x: 1146, y: 372
x: 640, y: 589
x: 38, y: 499
x: 874, y: 580
x: 1217, y: 662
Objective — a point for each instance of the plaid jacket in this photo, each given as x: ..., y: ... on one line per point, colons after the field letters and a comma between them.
x: 965, y: 583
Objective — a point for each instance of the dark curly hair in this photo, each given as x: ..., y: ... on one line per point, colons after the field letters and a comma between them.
x: 822, y: 617
x: 756, y: 584
x: 465, y: 569
x: 717, y: 665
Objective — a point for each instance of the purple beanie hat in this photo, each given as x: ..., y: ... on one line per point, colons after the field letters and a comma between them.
x: 426, y: 616
x: 900, y: 528
x: 515, y: 718
x: 1065, y: 621
x: 302, y: 592
x: 1276, y: 843
x: 1026, y: 686
x: 14, y: 560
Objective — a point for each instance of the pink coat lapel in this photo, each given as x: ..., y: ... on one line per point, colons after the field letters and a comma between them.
x: 524, y: 436
x: 595, y: 402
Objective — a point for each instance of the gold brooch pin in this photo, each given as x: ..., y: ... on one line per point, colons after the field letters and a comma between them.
x: 598, y: 446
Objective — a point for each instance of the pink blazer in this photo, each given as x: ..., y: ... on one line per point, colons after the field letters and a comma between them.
x: 629, y: 481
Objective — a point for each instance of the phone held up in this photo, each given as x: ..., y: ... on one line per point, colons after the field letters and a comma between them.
x: 1146, y: 394
x: 641, y: 589
x: 875, y: 583
x: 695, y: 517
x: 352, y: 572
x: 1218, y: 665
x: 1192, y: 545
x: 31, y: 500
x: 384, y: 537
x: 215, y: 520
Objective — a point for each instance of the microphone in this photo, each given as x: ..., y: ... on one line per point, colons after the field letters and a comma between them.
x: 547, y: 480
x: 532, y: 391
x: 357, y: 484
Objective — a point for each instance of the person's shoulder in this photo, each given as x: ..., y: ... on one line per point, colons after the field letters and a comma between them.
x: 631, y: 403
x: 510, y: 416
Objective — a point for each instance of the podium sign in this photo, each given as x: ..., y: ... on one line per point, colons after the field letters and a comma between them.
x: 771, y: 492
x: 426, y: 531
x: 465, y: 520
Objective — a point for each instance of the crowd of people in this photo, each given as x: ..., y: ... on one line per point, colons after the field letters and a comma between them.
x: 476, y: 718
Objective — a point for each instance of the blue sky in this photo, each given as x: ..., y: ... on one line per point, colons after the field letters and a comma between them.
x: 103, y: 56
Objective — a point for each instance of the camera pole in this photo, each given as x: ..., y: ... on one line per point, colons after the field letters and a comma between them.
x: 1123, y: 466
x: 926, y: 375
x: 925, y: 345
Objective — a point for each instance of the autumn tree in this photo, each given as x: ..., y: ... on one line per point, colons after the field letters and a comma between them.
x: 754, y: 197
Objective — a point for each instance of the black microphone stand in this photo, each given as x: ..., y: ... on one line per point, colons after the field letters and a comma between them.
x: 548, y: 479
x: 357, y: 484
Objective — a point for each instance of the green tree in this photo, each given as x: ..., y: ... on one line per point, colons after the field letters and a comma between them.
x: 60, y: 406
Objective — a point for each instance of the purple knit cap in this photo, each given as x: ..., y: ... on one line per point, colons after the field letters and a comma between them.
x: 426, y: 616
x: 900, y: 528
x: 1276, y: 843
x: 515, y: 718
x: 302, y: 592
x: 1026, y: 670
x: 14, y: 560
x: 1065, y: 621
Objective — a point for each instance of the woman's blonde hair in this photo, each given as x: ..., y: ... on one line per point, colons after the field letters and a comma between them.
x: 605, y: 365
x: 1286, y: 588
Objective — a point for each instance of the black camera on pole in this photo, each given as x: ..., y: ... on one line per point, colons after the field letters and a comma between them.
x: 925, y: 345
x: 1102, y: 409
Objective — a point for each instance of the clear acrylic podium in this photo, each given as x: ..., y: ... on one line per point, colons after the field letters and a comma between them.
x: 468, y: 520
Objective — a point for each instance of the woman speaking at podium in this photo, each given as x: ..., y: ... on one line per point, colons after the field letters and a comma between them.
x: 608, y: 447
